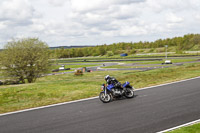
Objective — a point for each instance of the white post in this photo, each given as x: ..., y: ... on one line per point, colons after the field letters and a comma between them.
x: 166, y: 51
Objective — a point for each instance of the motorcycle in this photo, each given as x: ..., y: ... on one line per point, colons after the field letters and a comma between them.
x: 111, y: 91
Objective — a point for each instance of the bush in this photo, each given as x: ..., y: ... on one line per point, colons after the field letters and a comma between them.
x: 109, y: 53
x: 1, y: 83
x: 151, y: 50
x: 141, y: 51
x: 78, y: 73
x: 159, y: 50
x: 55, y: 70
x: 179, y: 52
x: 11, y: 82
x: 133, y: 51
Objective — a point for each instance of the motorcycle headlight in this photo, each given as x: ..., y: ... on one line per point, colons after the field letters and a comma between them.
x: 102, y: 88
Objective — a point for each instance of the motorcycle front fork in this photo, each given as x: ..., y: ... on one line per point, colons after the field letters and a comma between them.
x: 105, y: 91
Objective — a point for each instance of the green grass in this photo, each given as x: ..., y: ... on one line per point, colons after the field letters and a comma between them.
x: 67, y: 87
x: 190, y: 129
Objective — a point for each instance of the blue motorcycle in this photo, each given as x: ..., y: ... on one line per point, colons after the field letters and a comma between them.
x: 116, y: 91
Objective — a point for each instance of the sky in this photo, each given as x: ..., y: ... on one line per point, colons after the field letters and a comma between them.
x: 97, y: 22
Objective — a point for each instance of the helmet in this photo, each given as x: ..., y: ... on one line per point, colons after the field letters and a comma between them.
x: 107, y: 77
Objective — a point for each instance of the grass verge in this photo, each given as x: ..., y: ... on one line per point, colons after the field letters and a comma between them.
x: 67, y: 87
x: 190, y: 129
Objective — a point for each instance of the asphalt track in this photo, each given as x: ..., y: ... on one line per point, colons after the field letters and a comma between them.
x: 152, y: 110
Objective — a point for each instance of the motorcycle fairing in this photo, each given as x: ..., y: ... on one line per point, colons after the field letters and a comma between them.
x: 125, y: 84
x: 109, y: 87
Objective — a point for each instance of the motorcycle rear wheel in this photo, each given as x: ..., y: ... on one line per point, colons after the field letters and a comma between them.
x: 105, y: 98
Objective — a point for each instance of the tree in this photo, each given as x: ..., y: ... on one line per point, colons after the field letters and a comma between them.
x: 133, y: 51
x: 109, y: 53
x: 79, y: 52
x: 25, y: 59
x: 101, y: 50
x: 86, y: 51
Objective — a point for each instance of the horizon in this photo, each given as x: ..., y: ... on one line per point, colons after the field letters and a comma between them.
x: 79, y: 46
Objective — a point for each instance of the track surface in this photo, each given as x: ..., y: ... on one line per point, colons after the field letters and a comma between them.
x: 152, y: 110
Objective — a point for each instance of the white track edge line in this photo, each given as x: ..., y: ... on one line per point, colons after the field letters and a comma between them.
x: 166, y: 84
x: 180, y: 126
x: 52, y: 105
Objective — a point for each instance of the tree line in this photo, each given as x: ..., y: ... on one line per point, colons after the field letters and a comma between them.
x: 180, y: 43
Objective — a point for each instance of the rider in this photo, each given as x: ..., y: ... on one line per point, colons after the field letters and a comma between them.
x: 112, y: 80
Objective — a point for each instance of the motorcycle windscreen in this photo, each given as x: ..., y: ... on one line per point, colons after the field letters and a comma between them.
x: 109, y: 87
x: 125, y: 84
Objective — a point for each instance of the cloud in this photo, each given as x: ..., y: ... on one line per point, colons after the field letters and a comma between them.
x: 2, y: 25
x: 103, y: 16
x: 94, y: 5
x: 15, y: 18
x: 134, y: 30
x: 197, y: 17
x: 87, y: 5
x: 16, y: 11
x: 57, y: 3
x: 172, y: 18
x: 194, y: 4
x: 163, y: 5
x: 125, y: 11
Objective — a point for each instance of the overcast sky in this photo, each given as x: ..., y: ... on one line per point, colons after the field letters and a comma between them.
x: 96, y: 22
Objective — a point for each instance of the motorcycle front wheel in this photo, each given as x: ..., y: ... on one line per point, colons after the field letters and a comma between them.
x: 104, y: 98
x: 129, y: 93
